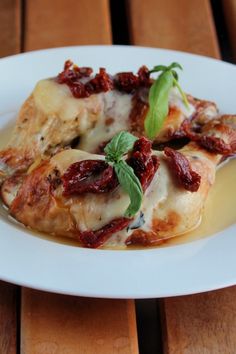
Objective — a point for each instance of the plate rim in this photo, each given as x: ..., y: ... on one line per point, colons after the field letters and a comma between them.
x: 124, y: 294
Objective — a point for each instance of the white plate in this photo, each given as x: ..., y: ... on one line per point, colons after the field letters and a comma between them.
x: 193, y: 267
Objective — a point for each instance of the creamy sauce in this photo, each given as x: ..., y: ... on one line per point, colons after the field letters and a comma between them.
x: 219, y: 211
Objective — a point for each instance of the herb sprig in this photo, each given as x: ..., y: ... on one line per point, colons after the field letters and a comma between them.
x: 121, y: 144
x: 159, y: 97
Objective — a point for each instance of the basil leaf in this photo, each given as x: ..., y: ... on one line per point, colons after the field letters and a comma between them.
x: 158, y: 103
x: 120, y: 144
x: 175, y: 74
x: 175, y: 65
x: 158, y: 68
x: 131, y: 185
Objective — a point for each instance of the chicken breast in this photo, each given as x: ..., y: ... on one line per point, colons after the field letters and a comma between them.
x: 49, y: 120
x: 52, y: 118
x: 57, y: 128
x: 167, y: 209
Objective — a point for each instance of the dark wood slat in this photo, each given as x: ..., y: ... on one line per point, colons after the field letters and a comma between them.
x: 8, y: 318
x: 10, y: 27
x: 230, y: 19
x: 204, y: 323
x: 182, y: 25
x: 66, y: 324
x: 66, y: 22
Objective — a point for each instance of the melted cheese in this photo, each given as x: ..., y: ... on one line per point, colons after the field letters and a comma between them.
x: 52, y: 98
x: 96, y: 118
x: 117, y: 108
x: 91, y: 211
x: 56, y: 100
x: 155, y: 195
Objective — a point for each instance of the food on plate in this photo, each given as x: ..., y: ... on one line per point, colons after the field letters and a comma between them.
x: 79, y: 109
x: 94, y: 158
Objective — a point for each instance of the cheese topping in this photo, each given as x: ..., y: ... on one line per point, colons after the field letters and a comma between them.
x: 114, y: 118
x: 91, y: 211
x: 56, y: 100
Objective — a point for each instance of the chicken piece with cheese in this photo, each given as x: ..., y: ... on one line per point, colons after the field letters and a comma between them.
x: 77, y: 104
x: 76, y: 194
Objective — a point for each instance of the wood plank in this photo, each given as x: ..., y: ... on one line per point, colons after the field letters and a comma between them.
x: 201, y: 324
x: 66, y: 324
x: 230, y: 19
x: 69, y: 22
x: 10, y: 27
x: 53, y: 323
x: 8, y: 318
x: 182, y: 25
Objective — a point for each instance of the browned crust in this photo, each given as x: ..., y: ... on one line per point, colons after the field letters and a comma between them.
x: 167, y: 225
x: 36, y: 194
x: 160, y: 227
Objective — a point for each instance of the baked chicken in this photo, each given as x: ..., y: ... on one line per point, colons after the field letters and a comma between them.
x: 66, y: 187
x: 85, y: 111
x: 75, y: 193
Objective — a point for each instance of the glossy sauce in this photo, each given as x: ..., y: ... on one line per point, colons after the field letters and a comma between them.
x: 219, y: 213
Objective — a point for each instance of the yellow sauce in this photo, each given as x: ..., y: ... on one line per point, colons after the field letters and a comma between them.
x: 220, y: 207
x: 219, y: 211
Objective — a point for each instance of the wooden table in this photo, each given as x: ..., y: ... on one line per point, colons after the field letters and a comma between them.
x: 34, y: 322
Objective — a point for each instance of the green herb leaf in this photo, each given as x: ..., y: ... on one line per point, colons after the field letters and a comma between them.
x: 119, y: 145
x: 131, y: 185
x: 158, y: 103
x: 158, y: 97
x: 175, y: 65
x: 158, y: 68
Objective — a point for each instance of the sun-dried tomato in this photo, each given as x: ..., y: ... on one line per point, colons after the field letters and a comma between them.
x: 126, y: 82
x: 143, y: 163
x: 73, y: 76
x: 96, y: 176
x: 129, y: 82
x: 72, y: 73
x: 209, y: 142
x: 102, y: 82
x: 215, y: 144
x: 89, y: 176
x: 188, y: 178
x: 94, y: 239
x: 144, y: 76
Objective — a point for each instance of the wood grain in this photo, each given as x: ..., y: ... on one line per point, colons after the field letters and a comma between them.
x: 201, y: 324
x: 10, y: 27
x: 65, y: 324
x: 66, y: 22
x: 8, y: 318
x: 61, y: 324
x: 204, y: 323
x: 182, y: 25
x: 230, y: 19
